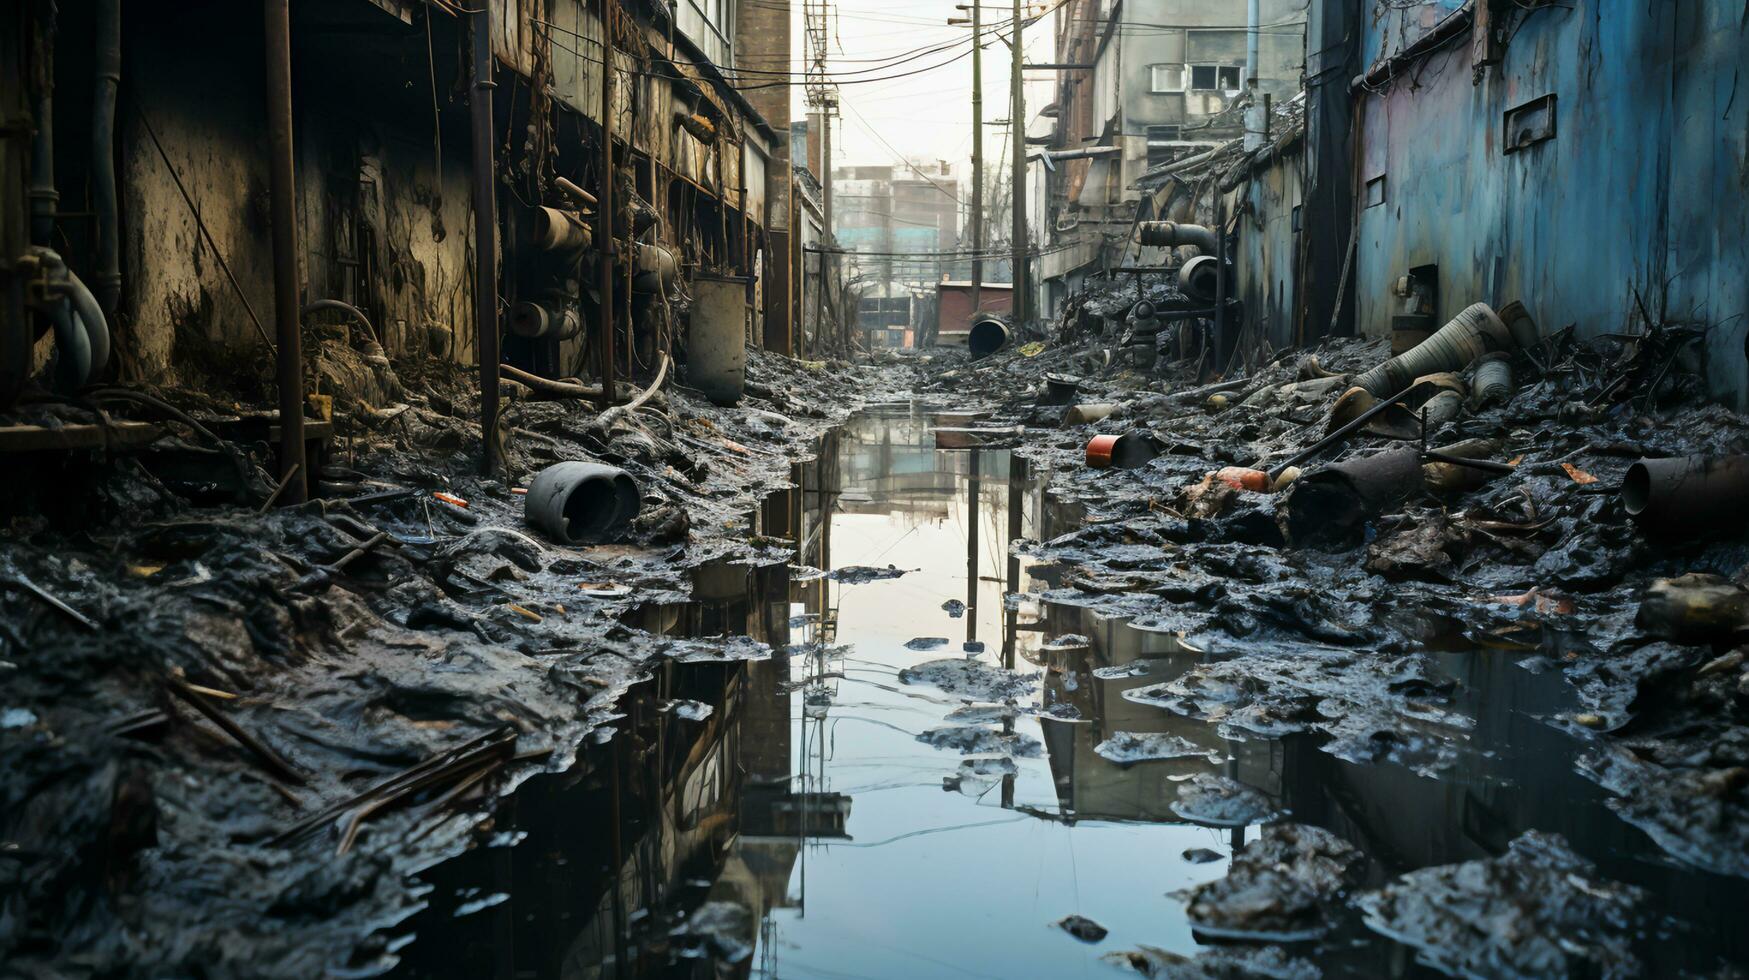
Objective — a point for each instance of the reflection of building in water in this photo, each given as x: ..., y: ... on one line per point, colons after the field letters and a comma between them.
x: 1090, y: 786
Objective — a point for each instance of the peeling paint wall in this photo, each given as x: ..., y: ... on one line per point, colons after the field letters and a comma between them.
x: 1268, y: 251
x: 1641, y: 183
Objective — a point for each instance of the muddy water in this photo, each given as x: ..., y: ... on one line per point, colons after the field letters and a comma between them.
x: 862, y: 807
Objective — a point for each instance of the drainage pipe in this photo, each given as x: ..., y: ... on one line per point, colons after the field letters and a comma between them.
x: 1469, y: 335
x: 283, y: 193
x: 560, y: 231
x: 1172, y: 234
x: 987, y: 336
x: 581, y: 503
x: 1687, y: 493
x: 107, y: 82
x: 91, y: 321
x: 485, y: 236
x: 72, y: 349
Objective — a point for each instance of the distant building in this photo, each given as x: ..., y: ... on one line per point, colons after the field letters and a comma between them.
x: 905, y: 222
x: 1148, y: 82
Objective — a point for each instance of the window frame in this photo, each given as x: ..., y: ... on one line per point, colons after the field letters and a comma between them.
x: 1154, y: 71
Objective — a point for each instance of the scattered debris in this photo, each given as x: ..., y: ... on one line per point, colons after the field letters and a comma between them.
x: 1537, y: 910
x: 1082, y: 928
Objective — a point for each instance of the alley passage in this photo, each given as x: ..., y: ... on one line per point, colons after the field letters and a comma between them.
x: 946, y: 767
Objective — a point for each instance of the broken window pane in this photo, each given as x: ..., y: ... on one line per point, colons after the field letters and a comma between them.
x: 1229, y: 78
x: 1202, y: 77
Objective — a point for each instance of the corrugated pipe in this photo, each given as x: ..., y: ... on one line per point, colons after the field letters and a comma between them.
x: 1472, y: 333
x: 108, y: 81
x: 1173, y: 234
x: 1492, y: 382
x: 1687, y: 494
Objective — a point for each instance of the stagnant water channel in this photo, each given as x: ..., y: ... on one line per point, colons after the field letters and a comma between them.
x: 835, y: 813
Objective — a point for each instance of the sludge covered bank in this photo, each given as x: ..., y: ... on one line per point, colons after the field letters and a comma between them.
x: 450, y: 535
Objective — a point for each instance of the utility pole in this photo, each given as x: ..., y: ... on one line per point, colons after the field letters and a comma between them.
x: 977, y: 215
x: 1017, y: 124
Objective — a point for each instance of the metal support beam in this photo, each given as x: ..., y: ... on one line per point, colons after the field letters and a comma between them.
x: 485, y: 236
x: 282, y: 184
x: 604, y: 333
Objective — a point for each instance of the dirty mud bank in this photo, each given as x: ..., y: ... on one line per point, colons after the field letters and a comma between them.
x: 229, y: 736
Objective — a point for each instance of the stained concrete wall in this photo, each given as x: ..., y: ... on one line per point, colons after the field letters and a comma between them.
x: 376, y: 225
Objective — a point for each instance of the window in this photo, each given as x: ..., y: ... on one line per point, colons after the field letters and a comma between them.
x: 1375, y: 191
x: 1168, y: 78
x: 1215, y: 78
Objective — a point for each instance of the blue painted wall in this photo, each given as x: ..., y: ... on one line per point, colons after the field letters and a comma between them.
x: 1642, y: 188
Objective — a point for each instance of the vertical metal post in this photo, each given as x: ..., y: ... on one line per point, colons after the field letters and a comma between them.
x: 977, y: 215
x: 485, y: 236
x: 1017, y: 121
x: 283, y: 199
x: 973, y: 518
x: 1222, y: 351
x: 830, y: 239
x: 604, y: 335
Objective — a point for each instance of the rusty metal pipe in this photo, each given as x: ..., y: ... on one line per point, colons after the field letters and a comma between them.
x: 1173, y: 234
x: 578, y: 194
x: 107, y: 281
x: 1687, y: 494
x: 485, y: 236
x: 1331, y: 505
x: 289, y: 363
x: 604, y: 213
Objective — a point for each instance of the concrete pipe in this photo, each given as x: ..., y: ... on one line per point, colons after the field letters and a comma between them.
x: 1197, y: 278
x: 1472, y: 333
x: 1172, y: 234
x: 1687, y: 494
x: 528, y: 319
x: 581, y: 503
x: 988, y: 335
x: 560, y: 231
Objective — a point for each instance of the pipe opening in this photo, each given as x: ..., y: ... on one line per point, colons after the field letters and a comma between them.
x: 1636, y: 489
x: 987, y: 337
x: 582, y: 503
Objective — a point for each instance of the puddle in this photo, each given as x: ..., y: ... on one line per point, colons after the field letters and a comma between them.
x: 870, y: 805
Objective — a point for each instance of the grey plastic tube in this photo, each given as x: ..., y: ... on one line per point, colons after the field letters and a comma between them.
x: 987, y: 336
x: 1687, y: 494
x: 93, y: 324
x: 72, y: 349
x: 1469, y: 335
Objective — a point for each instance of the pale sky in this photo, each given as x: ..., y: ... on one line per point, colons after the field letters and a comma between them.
x: 926, y: 115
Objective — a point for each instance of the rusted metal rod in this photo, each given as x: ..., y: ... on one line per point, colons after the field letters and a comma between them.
x: 604, y: 213
x: 1342, y: 433
x: 485, y: 236
x: 283, y: 194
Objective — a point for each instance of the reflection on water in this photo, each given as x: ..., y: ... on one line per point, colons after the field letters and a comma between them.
x: 807, y: 799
